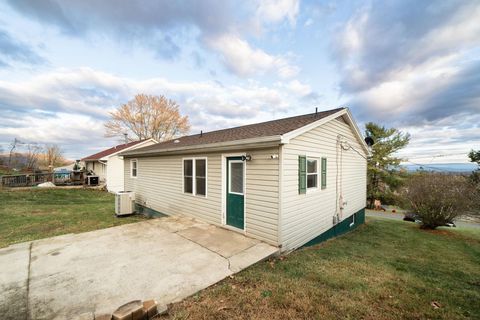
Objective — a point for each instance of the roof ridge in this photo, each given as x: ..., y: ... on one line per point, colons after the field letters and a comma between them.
x: 276, y: 127
x: 256, y: 123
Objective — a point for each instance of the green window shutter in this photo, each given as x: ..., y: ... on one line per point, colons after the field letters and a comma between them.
x: 324, y: 173
x: 302, y: 174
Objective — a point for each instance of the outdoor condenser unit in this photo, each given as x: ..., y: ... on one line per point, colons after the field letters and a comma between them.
x: 124, y: 203
x: 92, y: 180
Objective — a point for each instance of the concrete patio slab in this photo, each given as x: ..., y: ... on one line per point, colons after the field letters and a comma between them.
x: 224, y: 242
x: 14, y: 262
x: 165, y: 259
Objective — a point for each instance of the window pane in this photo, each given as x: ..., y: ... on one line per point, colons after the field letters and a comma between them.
x: 236, y: 177
x: 187, y: 168
x: 134, y: 168
x: 311, y: 166
x: 200, y: 168
x: 187, y: 185
x: 201, y: 186
x: 312, y: 181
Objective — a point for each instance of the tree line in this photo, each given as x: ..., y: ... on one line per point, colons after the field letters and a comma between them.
x: 29, y: 156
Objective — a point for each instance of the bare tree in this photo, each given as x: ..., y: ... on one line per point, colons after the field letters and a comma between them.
x: 13, y: 145
x: 52, y: 156
x: 148, y: 116
x: 33, y: 152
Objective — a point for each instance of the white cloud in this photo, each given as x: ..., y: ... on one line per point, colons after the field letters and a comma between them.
x: 167, y: 27
x: 275, y: 11
x: 69, y: 106
x: 298, y: 88
x: 244, y: 60
x: 445, y: 141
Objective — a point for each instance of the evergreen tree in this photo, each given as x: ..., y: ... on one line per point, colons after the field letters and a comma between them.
x: 475, y: 157
x: 384, y: 174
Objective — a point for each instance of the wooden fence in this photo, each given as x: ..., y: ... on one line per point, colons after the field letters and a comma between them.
x: 34, y: 179
x: 26, y: 180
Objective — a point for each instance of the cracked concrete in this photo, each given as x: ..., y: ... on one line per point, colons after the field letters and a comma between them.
x: 164, y: 259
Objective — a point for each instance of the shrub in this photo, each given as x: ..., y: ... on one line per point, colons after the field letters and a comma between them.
x: 438, y: 198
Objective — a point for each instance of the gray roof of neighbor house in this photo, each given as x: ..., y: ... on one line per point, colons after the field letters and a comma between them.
x: 257, y: 130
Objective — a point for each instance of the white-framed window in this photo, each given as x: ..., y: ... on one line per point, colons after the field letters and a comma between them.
x: 133, y: 168
x: 235, y: 177
x: 312, y: 173
x: 195, y: 176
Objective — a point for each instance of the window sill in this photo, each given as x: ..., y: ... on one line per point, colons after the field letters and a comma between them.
x: 312, y: 190
x: 195, y: 195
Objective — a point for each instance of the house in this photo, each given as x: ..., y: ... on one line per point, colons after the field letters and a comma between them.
x: 69, y: 167
x: 108, y: 165
x: 287, y: 182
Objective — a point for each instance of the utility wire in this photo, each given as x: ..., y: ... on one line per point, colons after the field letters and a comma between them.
x: 433, y: 168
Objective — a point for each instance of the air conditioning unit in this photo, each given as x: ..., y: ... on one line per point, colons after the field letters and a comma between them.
x: 92, y: 180
x: 124, y: 203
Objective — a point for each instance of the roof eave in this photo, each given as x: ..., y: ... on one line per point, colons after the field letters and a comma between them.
x: 259, y: 142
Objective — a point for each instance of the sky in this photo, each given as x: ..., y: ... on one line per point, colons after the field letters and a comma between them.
x: 413, y: 65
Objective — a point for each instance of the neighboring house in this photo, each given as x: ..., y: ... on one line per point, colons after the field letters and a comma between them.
x: 108, y: 165
x: 68, y: 167
x: 288, y: 182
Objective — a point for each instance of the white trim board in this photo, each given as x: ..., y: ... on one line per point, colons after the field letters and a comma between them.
x: 135, y: 146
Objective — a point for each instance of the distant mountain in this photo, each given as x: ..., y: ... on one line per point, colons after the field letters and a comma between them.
x: 442, y: 167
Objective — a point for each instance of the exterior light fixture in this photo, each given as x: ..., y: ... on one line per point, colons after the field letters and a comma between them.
x: 246, y: 157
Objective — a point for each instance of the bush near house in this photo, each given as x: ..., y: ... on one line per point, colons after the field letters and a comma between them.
x: 385, y: 269
x: 438, y: 198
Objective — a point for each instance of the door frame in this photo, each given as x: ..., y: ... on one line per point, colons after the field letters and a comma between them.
x: 224, y: 192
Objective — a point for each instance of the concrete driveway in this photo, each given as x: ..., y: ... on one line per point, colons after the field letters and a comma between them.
x: 166, y: 259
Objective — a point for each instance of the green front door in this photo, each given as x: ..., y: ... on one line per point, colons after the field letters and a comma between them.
x: 235, y: 192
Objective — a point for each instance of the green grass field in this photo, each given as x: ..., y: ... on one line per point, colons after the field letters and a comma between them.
x: 40, y: 213
x: 383, y: 270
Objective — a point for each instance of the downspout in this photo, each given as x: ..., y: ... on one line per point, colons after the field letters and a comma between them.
x: 339, y: 203
x: 280, y: 196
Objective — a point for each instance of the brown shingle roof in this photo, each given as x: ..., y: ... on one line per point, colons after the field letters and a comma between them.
x: 112, y: 150
x: 263, y: 129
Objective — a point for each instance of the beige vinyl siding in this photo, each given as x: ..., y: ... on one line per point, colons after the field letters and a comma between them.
x: 262, y: 195
x: 159, y: 185
x: 305, y: 216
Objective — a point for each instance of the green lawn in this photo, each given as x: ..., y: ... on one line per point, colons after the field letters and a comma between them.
x: 383, y: 270
x: 40, y: 213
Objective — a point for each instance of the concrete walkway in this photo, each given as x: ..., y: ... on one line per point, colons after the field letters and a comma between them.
x: 166, y: 259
